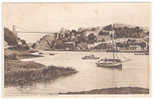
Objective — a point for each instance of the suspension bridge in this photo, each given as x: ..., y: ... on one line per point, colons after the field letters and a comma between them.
x: 21, y: 30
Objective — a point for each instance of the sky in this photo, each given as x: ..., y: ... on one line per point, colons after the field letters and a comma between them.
x: 51, y: 17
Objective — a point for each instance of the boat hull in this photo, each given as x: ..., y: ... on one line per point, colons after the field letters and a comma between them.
x: 90, y: 58
x: 115, y: 65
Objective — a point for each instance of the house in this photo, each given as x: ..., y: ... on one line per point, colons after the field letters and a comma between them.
x: 69, y: 45
x: 135, y: 47
x: 82, y: 46
x: 100, y: 38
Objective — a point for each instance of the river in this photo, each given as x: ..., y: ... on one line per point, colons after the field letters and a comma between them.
x: 134, y: 73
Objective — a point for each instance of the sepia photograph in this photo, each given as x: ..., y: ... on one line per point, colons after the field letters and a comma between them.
x: 57, y: 49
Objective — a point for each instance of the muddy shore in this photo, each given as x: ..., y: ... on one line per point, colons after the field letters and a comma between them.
x: 121, y: 90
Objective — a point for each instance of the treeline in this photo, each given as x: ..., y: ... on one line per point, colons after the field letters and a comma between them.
x: 127, y: 32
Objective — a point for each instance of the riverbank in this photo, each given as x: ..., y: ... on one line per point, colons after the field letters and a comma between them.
x: 17, y: 54
x: 121, y: 90
x: 23, y: 73
x: 110, y: 51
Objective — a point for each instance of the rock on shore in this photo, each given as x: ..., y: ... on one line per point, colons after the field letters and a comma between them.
x: 45, y: 43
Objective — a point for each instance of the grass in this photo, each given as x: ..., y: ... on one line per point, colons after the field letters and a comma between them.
x: 21, y: 73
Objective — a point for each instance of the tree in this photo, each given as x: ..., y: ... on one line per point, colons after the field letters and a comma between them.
x: 108, y: 28
x: 91, y: 38
x: 143, y: 45
x: 103, y: 33
x: 10, y: 37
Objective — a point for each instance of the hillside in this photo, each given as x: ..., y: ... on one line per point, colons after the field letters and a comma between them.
x: 13, y: 42
x: 10, y: 37
x: 83, y: 37
x: 127, y: 31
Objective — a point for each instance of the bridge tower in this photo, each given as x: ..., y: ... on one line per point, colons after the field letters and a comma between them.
x: 14, y: 29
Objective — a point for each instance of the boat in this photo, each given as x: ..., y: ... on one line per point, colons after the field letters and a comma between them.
x: 40, y: 53
x: 90, y: 57
x: 110, y: 63
x: 114, y: 62
x: 51, y: 54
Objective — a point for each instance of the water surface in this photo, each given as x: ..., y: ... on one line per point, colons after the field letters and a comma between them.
x: 134, y: 73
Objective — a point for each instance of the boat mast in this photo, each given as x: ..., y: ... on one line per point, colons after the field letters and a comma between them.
x: 112, y: 34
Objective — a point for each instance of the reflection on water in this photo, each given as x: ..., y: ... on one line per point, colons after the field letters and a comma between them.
x: 132, y: 73
x: 114, y: 68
